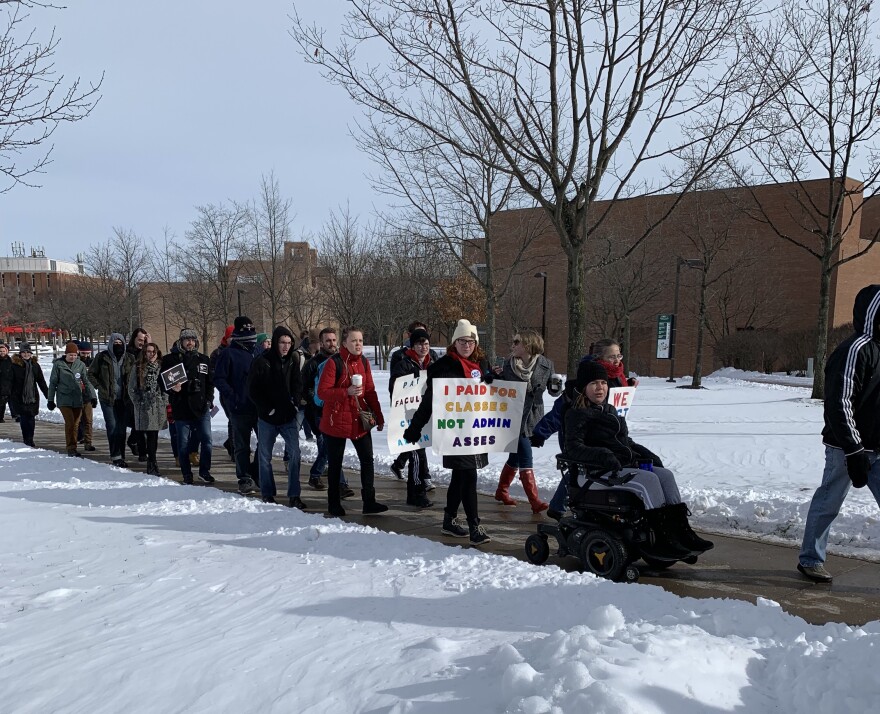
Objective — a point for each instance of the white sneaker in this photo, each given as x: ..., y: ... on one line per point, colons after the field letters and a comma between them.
x: 428, y: 485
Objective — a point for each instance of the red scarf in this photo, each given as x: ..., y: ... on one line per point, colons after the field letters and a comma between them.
x: 422, y: 363
x: 467, y: 366
x: 615, y: 370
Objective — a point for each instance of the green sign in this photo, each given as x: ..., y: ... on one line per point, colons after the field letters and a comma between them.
x: 664, y: 335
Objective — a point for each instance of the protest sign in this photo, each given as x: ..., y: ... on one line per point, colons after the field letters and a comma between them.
x: 173, y: 376
x: 621, y: 398
x: 405, y: 399
x: 472, y: 417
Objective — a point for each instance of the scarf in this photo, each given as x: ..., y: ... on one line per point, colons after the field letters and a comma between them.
x: 467, y: 366
x: 29, y: 388
x: 422, y: 363
x: 151, y: 377
x: 523, y: 370
x: 615, y: 370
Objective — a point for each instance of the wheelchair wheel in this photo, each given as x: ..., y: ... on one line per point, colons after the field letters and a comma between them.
x: 537, y: 549
x: 604, y: 554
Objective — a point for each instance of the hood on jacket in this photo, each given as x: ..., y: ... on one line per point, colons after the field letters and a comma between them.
x: 16, y: 359
x: 866, y: 312
x: 273, y: 352
x: 113, y: 337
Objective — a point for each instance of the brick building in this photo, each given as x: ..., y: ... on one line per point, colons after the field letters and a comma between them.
x: 759, y: 281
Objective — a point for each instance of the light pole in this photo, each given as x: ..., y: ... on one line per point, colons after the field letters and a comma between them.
x: 690, y: 263
x: 543, y: 275
x: 239, y: 291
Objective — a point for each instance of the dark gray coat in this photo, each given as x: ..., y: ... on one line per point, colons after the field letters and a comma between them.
x: 148, y: 401
x: 533, y: 409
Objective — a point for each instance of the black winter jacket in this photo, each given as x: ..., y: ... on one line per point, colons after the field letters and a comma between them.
x: 449, y: 368
x: 598, y: 437
x: 18, y: 374
x: 407, y: 366
x: 196, y: 395
x: 5, y: 377
x: 852, y: 381
x: 275, y: 384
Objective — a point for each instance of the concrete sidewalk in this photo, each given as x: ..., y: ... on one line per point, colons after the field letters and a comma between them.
x: 736, y: 568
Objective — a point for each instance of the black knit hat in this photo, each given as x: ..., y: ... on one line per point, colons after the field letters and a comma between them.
x: 243, y: 323
x: 419, y: 335
x: 589, y: 371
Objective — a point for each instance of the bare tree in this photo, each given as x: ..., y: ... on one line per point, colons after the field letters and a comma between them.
x: 825, y: 121
x: 34, y: 100
x: 574, y: 96
x: 213, y: 243
x: 265, y: 252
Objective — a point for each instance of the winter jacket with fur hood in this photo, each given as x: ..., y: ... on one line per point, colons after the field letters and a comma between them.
x: 19, y: 371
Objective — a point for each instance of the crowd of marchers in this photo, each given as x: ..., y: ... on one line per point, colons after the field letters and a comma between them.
x: 276, y: 386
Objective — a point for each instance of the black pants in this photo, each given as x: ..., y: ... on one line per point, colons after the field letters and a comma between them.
x: 3, y: 407
x: 417, y: 472
x: 27, y: 421
x: 335, y: 452
x: 463, y: 491
x: 402, y: 459
x: 151, y: 439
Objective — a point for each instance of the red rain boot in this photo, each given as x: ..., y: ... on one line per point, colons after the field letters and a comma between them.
x: 508, y: 473
x: 527, y: 476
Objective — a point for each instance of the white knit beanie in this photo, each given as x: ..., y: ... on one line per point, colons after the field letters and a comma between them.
x: 465, y: 329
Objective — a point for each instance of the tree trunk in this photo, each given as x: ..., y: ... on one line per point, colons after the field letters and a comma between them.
x: 627, y: 335
x: 576, y: 300
x: 697, y: 380
x: 491, y: 321
x: 822, y: 330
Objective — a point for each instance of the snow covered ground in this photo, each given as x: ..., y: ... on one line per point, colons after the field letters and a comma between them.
x: 124, y: 593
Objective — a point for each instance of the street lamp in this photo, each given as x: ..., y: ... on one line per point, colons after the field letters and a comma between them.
x: 543, y: 275
x: 239, y: 291
x: 689, y: 263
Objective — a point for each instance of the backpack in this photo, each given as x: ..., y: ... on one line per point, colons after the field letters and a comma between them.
x: 339, y: 367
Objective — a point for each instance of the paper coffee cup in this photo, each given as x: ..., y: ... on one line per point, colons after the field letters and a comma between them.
x: 357, y: 380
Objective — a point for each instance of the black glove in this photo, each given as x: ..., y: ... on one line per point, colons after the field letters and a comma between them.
x: 94, y: 403
x: 488, y: 377
x: 536, y: 441
x: 51, y: 406
x: 411, y: 435
x: 857, y: 467
x: 611, y: 463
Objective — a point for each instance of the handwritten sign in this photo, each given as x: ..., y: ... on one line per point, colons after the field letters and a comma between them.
x: 472, y: 417
x: 405, y: 399
x: 621, y: 398
x: 173, y: 376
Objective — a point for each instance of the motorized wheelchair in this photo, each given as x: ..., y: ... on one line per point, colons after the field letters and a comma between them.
x: 605, y: 528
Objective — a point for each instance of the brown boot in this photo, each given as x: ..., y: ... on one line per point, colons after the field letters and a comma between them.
x: 527, y: 476
x: 508, y: 473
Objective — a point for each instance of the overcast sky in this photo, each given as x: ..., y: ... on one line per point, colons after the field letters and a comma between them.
x: 200, y: 97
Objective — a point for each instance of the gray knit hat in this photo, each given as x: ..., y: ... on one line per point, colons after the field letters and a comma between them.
x: 188, y: 333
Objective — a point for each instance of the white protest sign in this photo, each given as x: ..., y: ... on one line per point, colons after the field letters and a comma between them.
x: 405, y: 399
x: 621, y: 398
x: 472, y: 417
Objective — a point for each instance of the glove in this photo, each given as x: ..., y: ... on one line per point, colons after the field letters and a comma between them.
x: 51, y: 406
x: 612, y: 464
x: 380, y: 426
x: 488, y: 377
x: 857, y: 467
x: 94, y: 403
x: 536, y: 441
x: 411, y: 435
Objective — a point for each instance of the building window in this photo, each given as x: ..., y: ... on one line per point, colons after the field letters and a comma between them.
x: 47, y: 281
x: 34, y: 280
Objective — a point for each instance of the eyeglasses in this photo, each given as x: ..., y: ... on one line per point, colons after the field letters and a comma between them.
x: 150, y: 352
x: 613, y: 358
x: 464, y: 342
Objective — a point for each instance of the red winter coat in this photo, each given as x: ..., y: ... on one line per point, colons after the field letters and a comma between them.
x: 340, y: 416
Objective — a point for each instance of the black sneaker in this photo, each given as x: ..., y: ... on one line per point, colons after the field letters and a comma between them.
x: 452, y: 527
x: 247, y: 487
x: 374, y: 508
x: 120, y: 463
x: 419, y: 501
x: 206, y: 477
x: 397, y: 471
x: 142, y: 457
x: 133, y: 446
x: 345, y: 492
x: 297, y: 502
x: 88, y: 447
x: 74, y: 453
x: 336, y: 511
x: 188, y: 479
x: 317, y: 484
x: 816, y: 573
x: 268, y: 499
x: 478, y: 535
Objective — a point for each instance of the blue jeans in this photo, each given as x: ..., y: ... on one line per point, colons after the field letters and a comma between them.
x: 266, y: 435
x: 827, y: 501
x: 302, y: 423
x: 559, y: 502
x: 522, y: 459
x: 201, y: 429
x: 320, y: 464
x: 114, y: 423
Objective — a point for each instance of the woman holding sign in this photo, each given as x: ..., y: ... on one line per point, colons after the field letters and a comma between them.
x: 463, y: 358
x: 148, y: 401
x: 528, y: 364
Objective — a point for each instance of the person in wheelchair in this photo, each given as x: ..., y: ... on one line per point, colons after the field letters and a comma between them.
x: 598, y: 438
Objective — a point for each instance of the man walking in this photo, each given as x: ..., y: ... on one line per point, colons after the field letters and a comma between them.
x: 231, y: 370
x: 275, y: 387
x: 106, y: 374
x: 5, y: 378
x: 84, y: 434
x: 852, y: 430
x: 191, y: 403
